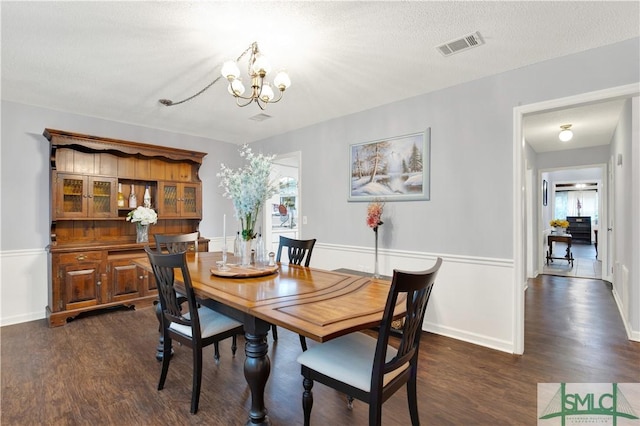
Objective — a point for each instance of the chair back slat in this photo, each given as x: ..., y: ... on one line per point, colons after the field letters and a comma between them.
x: 165, y: 266
x: 417, y: 287
x: 296, y: 250
x: 176, y: 243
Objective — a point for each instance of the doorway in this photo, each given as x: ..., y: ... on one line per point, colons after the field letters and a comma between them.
x: 576, y: 194
x: 521, y: 192
x: 282, y: 213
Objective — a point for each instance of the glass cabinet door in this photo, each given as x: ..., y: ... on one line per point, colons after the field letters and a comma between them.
x: 179, y: 200
x: 102, y: 198
x: 79, y: 196
x: 190, y: 207
x: 71, y: 200
x: 168, y: 200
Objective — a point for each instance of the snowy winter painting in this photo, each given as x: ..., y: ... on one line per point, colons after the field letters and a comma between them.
x: 395, y: 169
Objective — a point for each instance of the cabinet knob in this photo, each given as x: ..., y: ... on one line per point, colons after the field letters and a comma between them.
x: 81, y: 257
x: 141, y: 277
x: 99, y: 283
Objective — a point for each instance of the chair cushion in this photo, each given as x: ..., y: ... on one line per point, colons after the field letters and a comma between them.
x: 348, y: 359
x: 211, y: 322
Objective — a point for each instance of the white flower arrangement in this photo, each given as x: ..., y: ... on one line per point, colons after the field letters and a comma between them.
x: 144, y: 215
x: 248, y: 187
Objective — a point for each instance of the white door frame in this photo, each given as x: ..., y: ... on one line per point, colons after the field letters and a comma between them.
x: 519, y: 192
x: 294, y: 157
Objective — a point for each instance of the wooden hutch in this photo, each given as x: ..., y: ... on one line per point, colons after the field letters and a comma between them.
x: 92, y: 243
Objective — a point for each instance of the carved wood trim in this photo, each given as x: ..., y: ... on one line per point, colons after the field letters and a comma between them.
x: 88, y: 143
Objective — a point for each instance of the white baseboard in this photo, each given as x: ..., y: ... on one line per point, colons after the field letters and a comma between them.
x: 631, y: 334
x: 475, y: 338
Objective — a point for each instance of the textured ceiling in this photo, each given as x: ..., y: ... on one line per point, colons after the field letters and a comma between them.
x: 114, y: 60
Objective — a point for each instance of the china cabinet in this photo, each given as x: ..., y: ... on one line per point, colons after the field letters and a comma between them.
x: 92, y: 244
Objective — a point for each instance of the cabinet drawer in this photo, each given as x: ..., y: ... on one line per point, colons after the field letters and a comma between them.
x: 83, y: 256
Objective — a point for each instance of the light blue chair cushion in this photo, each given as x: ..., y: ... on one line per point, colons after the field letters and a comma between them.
x: 348, y: 359
x: 211, y: 322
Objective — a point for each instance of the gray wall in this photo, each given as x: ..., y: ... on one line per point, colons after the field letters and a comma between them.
x: 471, y: 156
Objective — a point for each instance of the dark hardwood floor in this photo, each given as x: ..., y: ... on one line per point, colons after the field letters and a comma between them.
x: 101, y: 370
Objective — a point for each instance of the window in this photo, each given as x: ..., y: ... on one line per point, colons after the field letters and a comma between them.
x: 576, y: 203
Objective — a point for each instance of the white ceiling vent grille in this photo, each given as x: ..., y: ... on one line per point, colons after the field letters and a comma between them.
x: 461, y: 44
x: 260, y: 117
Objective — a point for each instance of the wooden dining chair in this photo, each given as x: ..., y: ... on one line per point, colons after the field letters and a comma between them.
x: 176, y: 243
x: 196, y: 327
x: 298, y: 251
x: 368, y: 368
x: 180, y: 243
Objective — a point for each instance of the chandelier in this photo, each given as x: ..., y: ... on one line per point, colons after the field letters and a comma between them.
x: 261, y: 93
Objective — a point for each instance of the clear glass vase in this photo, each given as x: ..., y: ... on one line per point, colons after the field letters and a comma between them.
x: 245, y: 252
x: 142, y: 233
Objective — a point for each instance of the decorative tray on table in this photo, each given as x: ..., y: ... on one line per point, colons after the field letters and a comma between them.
x: 237, y: 271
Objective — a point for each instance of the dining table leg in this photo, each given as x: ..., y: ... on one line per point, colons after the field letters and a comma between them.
x: 257, y: 367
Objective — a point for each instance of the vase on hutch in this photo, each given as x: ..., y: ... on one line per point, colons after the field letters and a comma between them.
x: 142, y: 233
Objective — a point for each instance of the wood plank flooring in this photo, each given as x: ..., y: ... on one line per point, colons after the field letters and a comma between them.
x: 101, y: 370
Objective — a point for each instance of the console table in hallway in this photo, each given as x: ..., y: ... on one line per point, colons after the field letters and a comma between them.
x: 566, y: 238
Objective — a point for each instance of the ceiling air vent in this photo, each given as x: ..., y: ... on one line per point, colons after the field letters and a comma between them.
x: 260, y: 117
x: 461, y: 44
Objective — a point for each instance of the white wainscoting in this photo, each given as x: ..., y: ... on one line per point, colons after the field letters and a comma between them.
x: 23, y: 289
x: 472, y: 299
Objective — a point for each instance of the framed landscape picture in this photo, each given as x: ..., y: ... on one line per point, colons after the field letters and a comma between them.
x: 393, y: 169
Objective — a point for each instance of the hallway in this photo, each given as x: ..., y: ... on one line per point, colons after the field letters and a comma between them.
x: 585, y: 264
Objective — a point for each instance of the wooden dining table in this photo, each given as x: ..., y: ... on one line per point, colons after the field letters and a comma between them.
x: 317, y: 304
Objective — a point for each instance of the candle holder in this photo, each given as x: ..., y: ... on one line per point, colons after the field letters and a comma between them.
x: 222, y: 265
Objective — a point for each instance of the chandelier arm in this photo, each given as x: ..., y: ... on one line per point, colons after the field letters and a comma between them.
x: 279, y: 97
x: 249, y: 100
x: 259, y: 102
x: 246, y: 98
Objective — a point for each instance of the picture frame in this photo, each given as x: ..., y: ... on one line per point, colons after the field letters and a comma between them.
x: 545, y: 192
x: 391, y: 169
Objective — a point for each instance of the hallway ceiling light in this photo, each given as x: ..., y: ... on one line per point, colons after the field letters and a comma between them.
x: 262, y: 92
x: 565, y: 134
